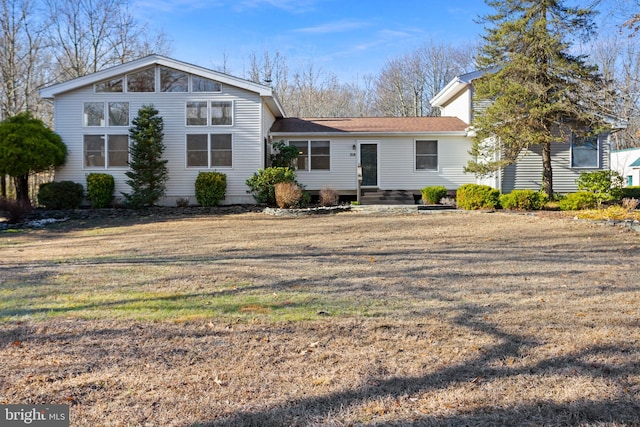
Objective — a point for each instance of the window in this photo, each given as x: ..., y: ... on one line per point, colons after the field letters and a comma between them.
x: 93, y: 114
x: 200, y: 84
x: 209, y: 150
x: 117, y: 112
x: 173, y: 80
x: 142, y: 81
x: 113, y: 85
x: 217, y: 113
x: 116, y: 148
x: 427, y: 155
x: 221, y: 113
x: 312, y: 155
x: 196, y: 113
x: 629, y: 180
x: 584, y: 152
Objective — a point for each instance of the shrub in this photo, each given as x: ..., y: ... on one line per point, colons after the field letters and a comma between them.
x: 210, y: 188
x: 524, y: 200
x: 433, y: 195
x: 605, y: 184
x: 630, y: 204
x: 61, y: 195
x: 261, y: 184
x: 577, y: 201
x: 100, y: 188
x: 15, y: 210
x: 182, y: 202
x: 475, y: 196
x: 284, y: 154
x: 328, y: 197
x: 288, y: 194
x: 631, y: 192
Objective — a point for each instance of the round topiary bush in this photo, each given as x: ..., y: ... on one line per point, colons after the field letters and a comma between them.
x: 578, y: 201
x: 100, y: 188
x: 524, y: 200
x: 433, y: 195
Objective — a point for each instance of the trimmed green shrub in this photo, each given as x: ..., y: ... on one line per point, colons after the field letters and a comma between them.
x: 475, y: 196
x: 210, y: 188
x: 578, y: 201
x: 605, y: 184
x: 261, y: 184
x: 100, y: 188
x: 433, y: 195
x: 631, y: 192
x: 524, y: 200
x: 61, y: 195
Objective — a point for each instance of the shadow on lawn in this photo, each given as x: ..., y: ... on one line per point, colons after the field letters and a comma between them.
x: 623, y: 408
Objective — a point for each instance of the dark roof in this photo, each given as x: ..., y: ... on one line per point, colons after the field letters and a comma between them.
x: 369, y: 125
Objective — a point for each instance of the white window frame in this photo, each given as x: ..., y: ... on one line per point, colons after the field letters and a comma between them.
x: 415, y: 155
x: 309, y: 143
x: 186, y: 115
x: 104, y: 151
x: 105, y: 122
x: 209, y: 113
x: 209, y: 151
x: 573, y: 143
x: 210, y: 108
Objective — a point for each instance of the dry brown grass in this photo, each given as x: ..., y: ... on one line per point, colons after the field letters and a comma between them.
x: 447, y: 319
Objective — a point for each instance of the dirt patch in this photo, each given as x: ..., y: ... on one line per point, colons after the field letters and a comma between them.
x: 349, y: 319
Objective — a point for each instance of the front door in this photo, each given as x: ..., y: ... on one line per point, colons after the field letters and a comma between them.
x: 369, y: 163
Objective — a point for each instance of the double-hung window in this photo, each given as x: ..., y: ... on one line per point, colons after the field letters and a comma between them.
x: 426, y: 155
x: 312, y: 155
x: 585, y: 152
x: 212, y: 113
x: 213, y: 150
x: 107, y: 148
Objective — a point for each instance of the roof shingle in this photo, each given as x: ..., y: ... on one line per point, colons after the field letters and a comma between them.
x: 369, y: 125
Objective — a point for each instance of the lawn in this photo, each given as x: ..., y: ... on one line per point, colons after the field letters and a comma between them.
x: 456, y: 318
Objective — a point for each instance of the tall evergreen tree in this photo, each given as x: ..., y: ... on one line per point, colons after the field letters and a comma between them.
x: 539, y: 91
x: 149, y: 173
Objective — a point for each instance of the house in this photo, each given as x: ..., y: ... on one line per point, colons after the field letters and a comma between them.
x: 569, y: 159
x: 212, y: 121
x: 627, y: 163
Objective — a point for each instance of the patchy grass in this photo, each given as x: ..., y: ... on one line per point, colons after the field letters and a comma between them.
x: 445, y: 319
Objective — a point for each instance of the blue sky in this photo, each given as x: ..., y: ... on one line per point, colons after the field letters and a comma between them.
x: 346, y: 38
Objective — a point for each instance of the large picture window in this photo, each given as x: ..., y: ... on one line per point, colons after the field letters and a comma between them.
x: 142, y: 81
x: 210, y: 150
x: 214, y: 113
x: 106, y: 151
x: 312, y: 155
x: 585, y: 153
x: 173, y: 80
x: 427, y: 155
x: 117, y: 113
x: 200, y: 84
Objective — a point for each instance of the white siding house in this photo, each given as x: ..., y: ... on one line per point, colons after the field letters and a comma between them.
x: 627, y: 164
x: 212, y: 122
x: 569, y: 159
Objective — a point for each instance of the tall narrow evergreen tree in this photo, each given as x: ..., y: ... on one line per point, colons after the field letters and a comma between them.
x: 149, y: 173
x: 540, y: 93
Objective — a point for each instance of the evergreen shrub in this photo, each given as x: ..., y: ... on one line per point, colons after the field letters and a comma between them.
x: 631, y: 192
x: 61, y: 195
x: 524, y: 200
x: 433, y: 195
x: 210, y: 188
x: 578, y: 201
x: 475, y: 196
x: 261, y: 184
x: 100, y: 188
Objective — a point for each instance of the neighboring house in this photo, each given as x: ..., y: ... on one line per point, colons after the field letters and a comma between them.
x: 569, y: 159
x: 627, y: 164
x: 212, y: 121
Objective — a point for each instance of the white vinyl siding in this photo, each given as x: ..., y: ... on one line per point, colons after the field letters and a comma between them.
x: 247, y: 129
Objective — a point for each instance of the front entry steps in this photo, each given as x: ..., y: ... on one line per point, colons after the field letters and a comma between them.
x: 387, y: 197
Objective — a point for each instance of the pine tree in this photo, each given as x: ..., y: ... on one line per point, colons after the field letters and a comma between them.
x: 539, y: 92
x: 149, y: 173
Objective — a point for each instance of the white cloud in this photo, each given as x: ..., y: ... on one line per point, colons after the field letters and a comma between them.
x: 334, y: 27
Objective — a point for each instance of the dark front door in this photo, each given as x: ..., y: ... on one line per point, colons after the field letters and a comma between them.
x: 369, y: 162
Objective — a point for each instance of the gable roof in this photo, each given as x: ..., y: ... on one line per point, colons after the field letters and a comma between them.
x: 457, y: 85
x: 636, y: 163
x: 266, y: 92
x: 369, y: 125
